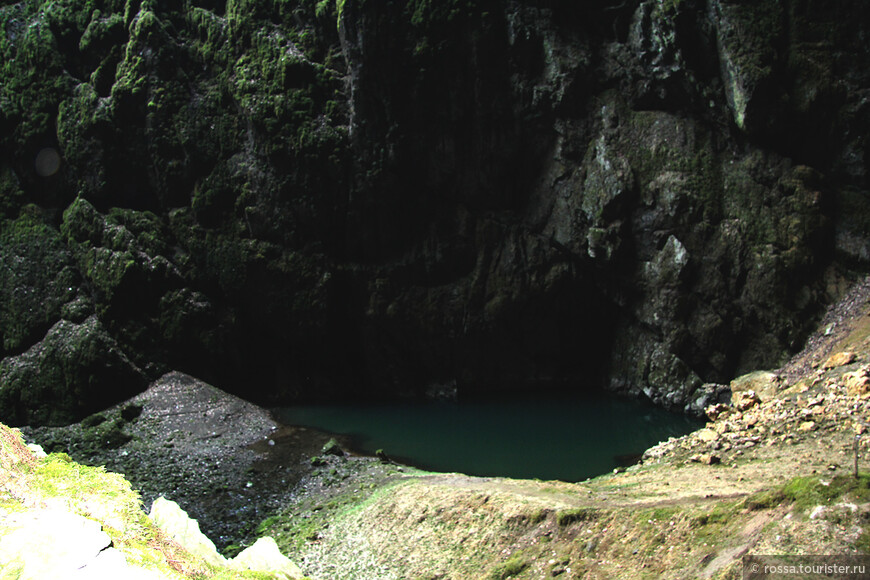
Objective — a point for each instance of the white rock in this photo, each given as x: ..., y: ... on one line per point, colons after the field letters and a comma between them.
x: 174, y: 521
x: 264, y: 556
x: 110, y: 564
x: 708, y: 435
x: 37, y: 450
x: 51, y: 543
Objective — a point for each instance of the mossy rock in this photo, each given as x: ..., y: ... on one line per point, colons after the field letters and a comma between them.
x: 11, y: 194
x: 40, y: 280
x: 119, y: 254
x: 750, y: 37
x: 74, y: 371
x: 83, y: 123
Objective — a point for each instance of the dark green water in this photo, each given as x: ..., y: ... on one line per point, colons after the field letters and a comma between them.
x: 552, y: 437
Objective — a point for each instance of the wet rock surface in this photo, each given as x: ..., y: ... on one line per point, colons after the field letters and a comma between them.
x: 650, y: 196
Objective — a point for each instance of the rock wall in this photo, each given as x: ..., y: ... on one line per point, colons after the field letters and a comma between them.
x: 310, y: 200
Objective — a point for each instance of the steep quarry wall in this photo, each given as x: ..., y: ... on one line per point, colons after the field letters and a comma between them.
x: 302, y: 200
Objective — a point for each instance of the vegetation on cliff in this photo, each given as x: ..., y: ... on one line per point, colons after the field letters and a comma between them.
x: 651, y: 197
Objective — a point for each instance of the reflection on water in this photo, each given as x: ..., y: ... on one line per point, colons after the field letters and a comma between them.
x: 551, y: 437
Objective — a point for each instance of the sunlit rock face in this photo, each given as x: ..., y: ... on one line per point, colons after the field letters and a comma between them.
x: 303, y: 200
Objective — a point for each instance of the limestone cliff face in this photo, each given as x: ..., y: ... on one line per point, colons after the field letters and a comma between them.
x: 379, y: 198
x: 643, y: 192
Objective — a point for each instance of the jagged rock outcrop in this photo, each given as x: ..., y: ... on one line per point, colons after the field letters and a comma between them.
x: 356, y: 198
x: 611, y: 198
x: 68, y: 374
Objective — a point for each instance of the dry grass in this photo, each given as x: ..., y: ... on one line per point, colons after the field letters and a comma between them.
x: 16, y: 464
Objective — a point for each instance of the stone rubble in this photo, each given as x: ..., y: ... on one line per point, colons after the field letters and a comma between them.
x: 835, y: 397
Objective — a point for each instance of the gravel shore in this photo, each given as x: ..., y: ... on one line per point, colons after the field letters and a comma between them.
x: 222, y: 459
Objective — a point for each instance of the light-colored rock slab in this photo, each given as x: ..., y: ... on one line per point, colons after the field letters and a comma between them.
x: 174, y: 521
x: 839, y: 359
x: 43, y: 544
x: 763, y: 383
x: 264, y: 556
x: 50, y: 543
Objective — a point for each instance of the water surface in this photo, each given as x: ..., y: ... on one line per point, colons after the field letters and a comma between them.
x: 561, y: 437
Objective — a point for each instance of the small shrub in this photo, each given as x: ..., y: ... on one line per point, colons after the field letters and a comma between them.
x: 765, y: 499
x: 569, y: 517
x: 512, y: 567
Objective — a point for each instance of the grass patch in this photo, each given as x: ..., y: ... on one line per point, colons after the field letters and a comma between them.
x: 514, y: 566
x: 716, y: 523
x: 301, y: 524
x: 568, y: 517
x: 765, y: 499
x: 808, y: 492
x: 718, y: 515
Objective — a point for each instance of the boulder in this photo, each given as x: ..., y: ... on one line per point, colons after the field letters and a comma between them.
x: 264, y: 556
x: 713, y: 412
x: 766, y: 384
x: 74, y: 371
x: 55, y: 543
x: 745, y: 400
x: 838, y: 360
x: 707, y: 435
x: 174, y: 522
x: 332, y: 447
x: 857, y: 383
x: 706, y: 458
x: 709, y: 396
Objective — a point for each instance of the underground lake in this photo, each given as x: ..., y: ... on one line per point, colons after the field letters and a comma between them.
x: 551, y: 436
